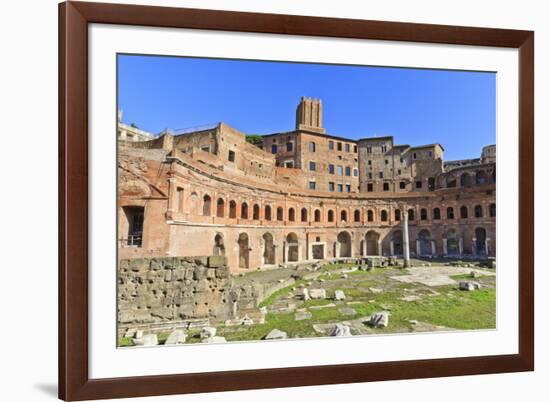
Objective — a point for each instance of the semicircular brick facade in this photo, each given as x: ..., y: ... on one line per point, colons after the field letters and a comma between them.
x: 299, y: 196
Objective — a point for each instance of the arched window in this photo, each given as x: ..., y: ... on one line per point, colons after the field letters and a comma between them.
x: 206, y: 205
x: 232, y: 209
x: 279, y: 213
x: 478, y: 211
x: 244, y: 210
x: 256, y: 212
x: 397, y: 214
x: 493, y: 210
x: 291, y: 215
x: 451, y: 182
x: 357, y: 216
x: 220, y: 208
x: 384, y: 215
x: 465, y: 180
x: 463, y: 212
x: 317, y: 215
x: 450, y: 213
x: 303, y: 215
x: 436, y: 214
x: 410, y: 214
x: 330, y: 215
x: 370, y: 215
x: 344, y: 216
x: 481, y: 178
x: 267, y: 213
x: 423, y: 214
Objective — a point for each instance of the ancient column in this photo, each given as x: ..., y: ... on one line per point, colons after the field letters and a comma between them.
x: 433, y: 247
x: 474, y: 246
x: 391, y: 248
x: 487, y: 249
x: 406, y: 257
x: 444, y: 246
x: 460, y: 246
x: 418, y: 248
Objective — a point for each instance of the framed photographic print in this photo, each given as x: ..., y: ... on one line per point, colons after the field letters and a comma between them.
x: 260, y: 200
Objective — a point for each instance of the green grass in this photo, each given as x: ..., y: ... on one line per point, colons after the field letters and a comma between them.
x: 281, y: 292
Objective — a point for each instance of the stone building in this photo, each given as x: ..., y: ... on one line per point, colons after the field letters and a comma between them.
x: 207, y: 191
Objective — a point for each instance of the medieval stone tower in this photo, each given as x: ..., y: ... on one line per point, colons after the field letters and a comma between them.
x: 309, y: 115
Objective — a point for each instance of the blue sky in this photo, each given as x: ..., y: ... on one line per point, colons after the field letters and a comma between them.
x: 454, y: 108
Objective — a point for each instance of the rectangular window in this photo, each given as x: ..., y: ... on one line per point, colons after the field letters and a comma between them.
x: 418, y: 184
x: 340, y: 170
x: 331, y: 145
x: 355, y: 172
x: 339, y: 146
x: 289, y: 146
x: 274, y: 148
x: 355, y: 148
x: 370, y: 176
x: 414, y: 155
x: 331, y: 168
x: 340, y: 188
x: 312, y: 147
x: 386, y: 161
x: 289, y: 164
x: 348, y: 171
x: 347, y: 148
x: 386, y: 187
x: 180, y: 199
x: 312, y: 166
x: 369, y: 149
x: 381, y: 175
x: 369, y: 187
x: 402, y: 185
x: 398, y: 171
x: 312, y: 185
x: 331, y: 186
x: 348, y: 188
x: 400, y: 160
x: 430, y: 154
x: 369, y: 162
x: 231, y: 156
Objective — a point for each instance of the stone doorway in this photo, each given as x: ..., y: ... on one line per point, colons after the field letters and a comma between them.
x: 481, y: 240
x: 344, y: 242
x: 318, y: 251
x: 244, y: 251
x: 269, y: 249
x: 372, y: 238
x: 292, y: 248
x: 219, y: 247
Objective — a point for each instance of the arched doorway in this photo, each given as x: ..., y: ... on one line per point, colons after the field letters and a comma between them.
x: 481, y: 237
x: 269, y: 249
x: 424, y: 242
x: 452, y: 242
x: 465, y: 180
x: 397, y: 238
x: 219, y: 247
x: 344, y: 243
x: 244, y: 251
x: 372, y: 238
x: 292, y: 248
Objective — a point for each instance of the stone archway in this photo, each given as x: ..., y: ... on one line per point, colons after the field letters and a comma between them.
x: 269, y: 249
x: 292, y: 248
x: 219, y: 246
x: 244, y: 251
x: 344, y: 244
x: 397, y: 242
x: 424, y: 243
x: 452, y: 242
x: 372, y: 239
x: 480, y: 241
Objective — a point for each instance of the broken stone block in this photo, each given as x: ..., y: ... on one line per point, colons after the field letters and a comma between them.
x: 339, y: 295
x: 302, y: 315
x: 469, y: 286
x: 340, y: 330
x: 380, y: 319
x: 214, y: 339
x: 303, y: 294
x: 318, y: 293
x: 175, y: 337
x: 146, y: 340
x: 276, y: 334
x: 207, y: 332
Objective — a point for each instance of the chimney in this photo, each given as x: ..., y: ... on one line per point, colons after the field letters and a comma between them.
x: 309, y: 115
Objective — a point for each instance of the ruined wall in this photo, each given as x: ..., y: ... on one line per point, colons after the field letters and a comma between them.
x: 152, y: 290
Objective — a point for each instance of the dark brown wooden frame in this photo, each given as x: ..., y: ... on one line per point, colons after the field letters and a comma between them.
x: 74, y: 17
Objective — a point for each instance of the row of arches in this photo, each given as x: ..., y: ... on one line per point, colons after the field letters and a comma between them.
x: 423, y: 244
x: 468, y: 179
x: 292, y: 214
